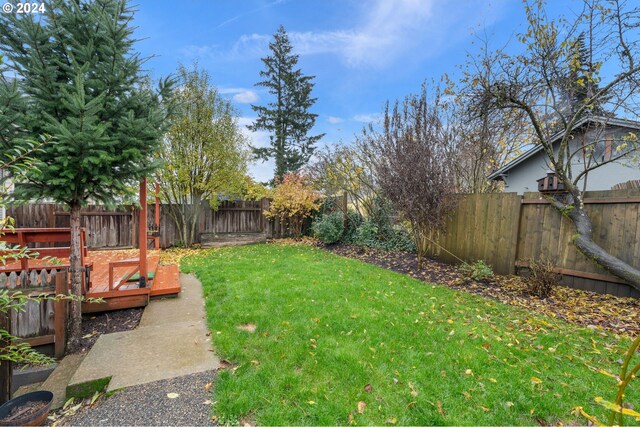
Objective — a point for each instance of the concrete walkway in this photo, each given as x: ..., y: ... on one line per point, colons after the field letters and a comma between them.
x: 171, y: 341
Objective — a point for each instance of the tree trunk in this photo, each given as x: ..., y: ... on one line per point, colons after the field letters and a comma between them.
x: 75, y: 330
x: 583, y: 240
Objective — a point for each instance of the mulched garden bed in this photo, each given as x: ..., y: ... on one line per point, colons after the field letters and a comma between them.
x: 619, y: 315
x: 94, y: 325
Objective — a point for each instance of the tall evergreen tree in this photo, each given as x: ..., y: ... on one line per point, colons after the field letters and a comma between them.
x: 287, y: 118
x: 580, y: 85
x: 76, y: 69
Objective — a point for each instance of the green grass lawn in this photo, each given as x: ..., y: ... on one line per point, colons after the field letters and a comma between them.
x: 342, y: 342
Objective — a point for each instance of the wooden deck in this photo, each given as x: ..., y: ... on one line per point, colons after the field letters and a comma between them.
x: 165, y: 280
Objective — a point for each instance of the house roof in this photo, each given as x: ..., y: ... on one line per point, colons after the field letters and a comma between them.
x: 558, y: 136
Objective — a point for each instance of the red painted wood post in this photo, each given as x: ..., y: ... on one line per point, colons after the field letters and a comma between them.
x: 143, y: 232
x: 156, y: 238
x: 24, y: 262
x: 6, y: 370
x: 157, y: 205
x: 61, y: 316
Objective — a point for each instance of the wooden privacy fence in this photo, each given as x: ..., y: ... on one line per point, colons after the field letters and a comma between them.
x: 507, y: 230
x: 42, y: 322
x: 107, y: 227
x: 117, y: 227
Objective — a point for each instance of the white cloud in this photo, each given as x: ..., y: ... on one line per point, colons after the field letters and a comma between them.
x: 368, y: 118
x: 246, y: 97
x: 240, y: 95
x: 334, y: 120
x: 386, y: 31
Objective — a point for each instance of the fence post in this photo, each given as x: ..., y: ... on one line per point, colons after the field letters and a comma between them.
x: 60, y: 319
x: 516, y: 235
x: 5, y: 365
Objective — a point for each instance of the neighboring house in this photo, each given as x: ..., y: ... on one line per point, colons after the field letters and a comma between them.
x: 604, y: 136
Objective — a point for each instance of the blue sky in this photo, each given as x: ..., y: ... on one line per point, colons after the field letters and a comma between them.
x: 362, y: 52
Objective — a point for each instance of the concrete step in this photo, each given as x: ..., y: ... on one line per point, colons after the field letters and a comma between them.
x: 59, y: 379
x: 212, y: 240
x: 171, y: 341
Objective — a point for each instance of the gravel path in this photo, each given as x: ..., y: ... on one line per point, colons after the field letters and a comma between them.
x: 148, y: 405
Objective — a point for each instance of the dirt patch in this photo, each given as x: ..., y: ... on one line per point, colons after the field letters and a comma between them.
x: 248, y: 327
x: 94, y: 325
x: 598, y: 311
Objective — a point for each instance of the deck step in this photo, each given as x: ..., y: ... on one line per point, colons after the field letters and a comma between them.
x: 166, y: 281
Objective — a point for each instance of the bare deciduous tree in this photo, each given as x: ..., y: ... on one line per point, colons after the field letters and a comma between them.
x: 413, y: 166
x: 573, y: 73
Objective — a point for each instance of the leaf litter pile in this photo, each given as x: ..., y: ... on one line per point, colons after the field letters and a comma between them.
x: 590, y: 309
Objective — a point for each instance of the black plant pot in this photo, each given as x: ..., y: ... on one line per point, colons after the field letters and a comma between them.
x: 31, y: 418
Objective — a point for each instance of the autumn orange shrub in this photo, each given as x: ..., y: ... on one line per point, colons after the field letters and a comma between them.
x: 293, y: 200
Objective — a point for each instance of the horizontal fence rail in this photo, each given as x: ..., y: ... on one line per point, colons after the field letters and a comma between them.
x: 507, y: 231
x: 117, y: 227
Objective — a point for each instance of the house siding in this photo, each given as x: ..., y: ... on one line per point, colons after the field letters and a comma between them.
x: 524, y: 176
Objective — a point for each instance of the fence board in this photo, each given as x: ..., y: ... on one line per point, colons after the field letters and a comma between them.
x: 505, y: 228
x: 117, y: 227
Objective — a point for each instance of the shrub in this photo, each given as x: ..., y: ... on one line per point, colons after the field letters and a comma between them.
x: 389, y: 239
x: 329, y: 228
x: 477, y: 271
x: 367, y: 234
x: 400, y: 240
x: 543, y: 279
x: 294, y: 200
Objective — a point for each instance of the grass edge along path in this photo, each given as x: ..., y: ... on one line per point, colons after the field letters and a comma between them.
x: 339, y: 342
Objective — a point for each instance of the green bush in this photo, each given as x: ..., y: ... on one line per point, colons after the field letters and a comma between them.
x: 389, y: 239
x: 354, y: 220
x: 478, y: 270
x: 329, y: 228
x: 400, y: 240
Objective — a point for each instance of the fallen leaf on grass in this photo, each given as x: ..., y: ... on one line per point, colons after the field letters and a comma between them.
x: 368, y: 388
x: 536, y: 380
x: 440, y: 410
x: 414, y: 393
x: 596, y: 311
x: 392, y: 420
x: 361, y: 407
